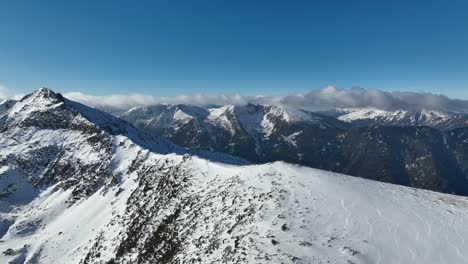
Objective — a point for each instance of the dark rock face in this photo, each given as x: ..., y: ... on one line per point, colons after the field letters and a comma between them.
x: 158, y: 238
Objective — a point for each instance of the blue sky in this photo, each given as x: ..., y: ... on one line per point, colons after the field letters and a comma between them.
x: 248, y: 47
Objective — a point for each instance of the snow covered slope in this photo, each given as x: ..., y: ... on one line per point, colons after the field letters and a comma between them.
x: 191, y: 209
x: 431, y: 118
x: 77, y: 186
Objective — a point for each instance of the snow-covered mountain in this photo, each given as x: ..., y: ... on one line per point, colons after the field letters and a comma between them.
x: 369, y: 143
x: 80, y: 186
x: 376, y: 117
x: 253, y: 119
x: 248, y: 131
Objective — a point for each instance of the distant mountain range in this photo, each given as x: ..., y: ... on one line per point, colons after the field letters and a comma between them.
x: 424, y: 149
x: 80, y: 186
x: 375, y: 117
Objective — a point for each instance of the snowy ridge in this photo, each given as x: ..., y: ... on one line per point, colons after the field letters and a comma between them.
x: 290, y: 114
x: 424, y: 117
x: 370, y: 113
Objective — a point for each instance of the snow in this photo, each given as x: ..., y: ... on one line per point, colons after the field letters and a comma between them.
x: 287, y: 114
x: 435, y: 116
x: 423, y: 117
x: 291, y: 139
x: 254, y: 119
x: 182, y: 117
x: 370, y: 113
x: 219, y: 117
x: 290, y: 114
x: 251, y: 116
x: 268, y: 127
x: 160, y: 116
x: 336, y: 218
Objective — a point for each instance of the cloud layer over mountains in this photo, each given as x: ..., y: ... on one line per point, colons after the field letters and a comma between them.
x: 6, y: 94
x: 331, y: 97
x: 320, y: 99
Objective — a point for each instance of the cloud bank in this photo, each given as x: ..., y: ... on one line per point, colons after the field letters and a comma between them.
x: 6, y: 93
x: 321, y: 99
x: 127, y: 101
x: 331, y: 97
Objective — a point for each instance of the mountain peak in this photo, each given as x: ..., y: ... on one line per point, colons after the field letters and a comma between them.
x: 44, y: 93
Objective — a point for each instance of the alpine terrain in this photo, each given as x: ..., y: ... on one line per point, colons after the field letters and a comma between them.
x: 78, y: 185
x: 424, y: 149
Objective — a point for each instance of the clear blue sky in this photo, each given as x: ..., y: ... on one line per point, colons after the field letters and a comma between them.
x: 250, y: 47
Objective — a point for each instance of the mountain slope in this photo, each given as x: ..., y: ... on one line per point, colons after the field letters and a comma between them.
x: 389, y: 150
x: 79, y: 186
x: 181, y: 210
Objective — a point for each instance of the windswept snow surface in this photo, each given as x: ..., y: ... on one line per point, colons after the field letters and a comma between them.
x: 149, y: 207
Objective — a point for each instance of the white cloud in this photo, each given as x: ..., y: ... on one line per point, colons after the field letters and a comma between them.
x: 126, y: 101
x: 321, y: 99
x: 330, y: 97
x: 3, y: 93
x: 6, y: 93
